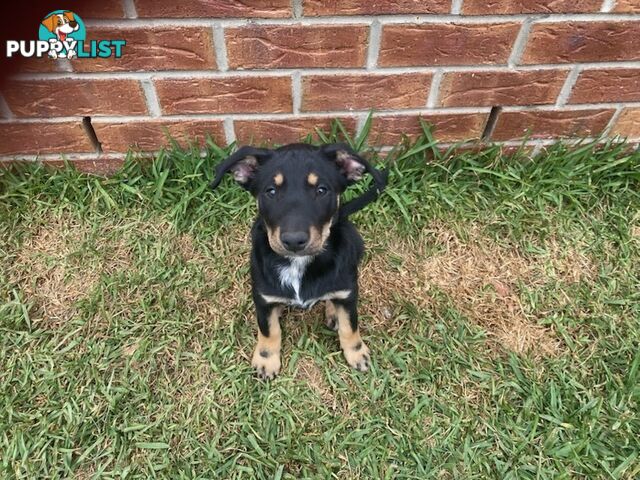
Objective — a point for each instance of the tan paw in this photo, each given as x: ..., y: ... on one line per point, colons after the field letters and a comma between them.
x: 266, y: 363
x: 358, y: 356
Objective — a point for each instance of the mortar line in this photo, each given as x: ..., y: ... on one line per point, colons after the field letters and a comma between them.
x: 520, y: 43
x: 129, y: 8
x: 151, y: 98
x: 614, y: 119
x: 229, y: 130
x: 296, y: 92
x: 566, y: 89
x: 373, y: 50
x: 456, y: 7
x: 324, y: 114
x: 220, y: 47
x: 434, y: 90
x: 608, y: 6
x: 5, y: 111
x: 184, y: 74
x: 361, y: 19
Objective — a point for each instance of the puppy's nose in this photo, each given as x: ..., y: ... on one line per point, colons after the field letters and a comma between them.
x: 73, y: 24
x: 294, y: 241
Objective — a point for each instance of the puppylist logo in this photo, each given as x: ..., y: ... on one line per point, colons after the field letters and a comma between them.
x: 62, y: 35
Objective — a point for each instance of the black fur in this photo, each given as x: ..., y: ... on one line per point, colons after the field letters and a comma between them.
x: 297, y: 208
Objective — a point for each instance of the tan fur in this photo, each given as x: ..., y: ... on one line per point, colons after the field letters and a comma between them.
x: 270, y: 345
x: 317, y: 238
x: 350, y: 340
x: 51, y: 22
x: 330, y: 317
x: 273, y: 234
x: 312, y: 179
x: 278, y: 179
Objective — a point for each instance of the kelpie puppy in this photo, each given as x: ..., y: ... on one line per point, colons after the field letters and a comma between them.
x: 304, y: 250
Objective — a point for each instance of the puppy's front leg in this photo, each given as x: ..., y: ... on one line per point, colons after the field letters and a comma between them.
x: 266, y: 356
x: 354, y: 349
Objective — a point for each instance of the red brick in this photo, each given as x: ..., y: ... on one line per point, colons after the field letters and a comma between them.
x: 478, y: 89
x: 627, y: 6
x: 152, y: 134
x: 609, y: 85
x: 447, y: 127
x: 41, y: 138
x: 103, y: 166
x: 363, y: 92
x: 225, y: 95
x: 570, y: 42
x: 506, y: 7
x: 550, y: 124
x: 155, y: 48
x: 296, y: 46
x: 284, y: 131
x: 628, y: 124
x: 100, y: 10
x: 39, y: 65
x: 447, y: 44
x: 214, y: 8
x: 315, y: 8
x: 68, y: 97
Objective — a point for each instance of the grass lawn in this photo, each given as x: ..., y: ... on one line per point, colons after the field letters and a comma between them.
x: 500, y: 298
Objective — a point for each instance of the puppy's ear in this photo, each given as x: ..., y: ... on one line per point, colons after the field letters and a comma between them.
x: 243, y: 164
x: 353, y: 167
x: 50, y: 22
x: 350, y: 163
x: 69, y: 16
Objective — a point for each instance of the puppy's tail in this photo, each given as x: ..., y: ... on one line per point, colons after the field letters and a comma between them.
x: 380, y: 178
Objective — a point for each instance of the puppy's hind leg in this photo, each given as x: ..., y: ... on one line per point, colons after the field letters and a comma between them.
x: 354, y: 349
x: 266, y: 356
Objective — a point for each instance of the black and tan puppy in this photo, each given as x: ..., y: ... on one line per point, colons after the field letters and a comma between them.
x: 304, y: 250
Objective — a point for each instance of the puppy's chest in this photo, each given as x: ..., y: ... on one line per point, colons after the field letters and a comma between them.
x: 306, y: 291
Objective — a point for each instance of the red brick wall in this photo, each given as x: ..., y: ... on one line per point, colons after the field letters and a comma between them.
x: 273, y: 70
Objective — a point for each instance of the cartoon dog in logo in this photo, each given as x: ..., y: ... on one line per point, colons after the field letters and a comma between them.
x: 61, y: 25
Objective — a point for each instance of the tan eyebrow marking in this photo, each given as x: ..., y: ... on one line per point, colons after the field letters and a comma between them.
x: 278, y: 179
x: 312, y: 179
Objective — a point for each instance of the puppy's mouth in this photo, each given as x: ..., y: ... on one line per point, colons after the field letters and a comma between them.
x: 62, y: 36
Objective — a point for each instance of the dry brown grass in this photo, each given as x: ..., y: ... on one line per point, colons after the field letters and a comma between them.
x: 232, y: 255
x: 481, y: 277
x: 55, y: 271
x: 308, y: 372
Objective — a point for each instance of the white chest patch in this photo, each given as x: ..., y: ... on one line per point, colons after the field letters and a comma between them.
x: 291, y: 275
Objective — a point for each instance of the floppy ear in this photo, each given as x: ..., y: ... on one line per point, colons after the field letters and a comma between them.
x: 69, y: 16
x: 350, y: 163
x: 353, y: 167
x: 243, y: 164
x: 50, y: 22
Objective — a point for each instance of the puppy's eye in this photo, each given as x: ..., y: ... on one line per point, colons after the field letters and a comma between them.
x: 321, y: 190
x: 270, y: 192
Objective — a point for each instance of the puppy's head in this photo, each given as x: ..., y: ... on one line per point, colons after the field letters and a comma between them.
x: 297, y: 188
x: 61, y: 24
